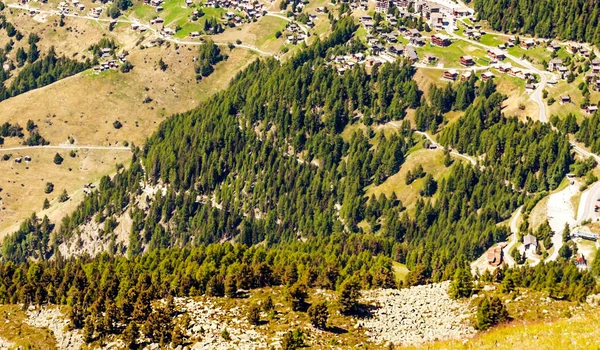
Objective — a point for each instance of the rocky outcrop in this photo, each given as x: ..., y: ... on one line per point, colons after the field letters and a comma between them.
x: 55, y: 321
x: 416, y: 315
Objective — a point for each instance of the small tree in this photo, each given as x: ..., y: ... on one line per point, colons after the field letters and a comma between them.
x: 254, y: 315
x: 64, y: 196
x: 46, y: 204
x: 297, y: 296
x: 349, y: 295
x: 130, y: 335
x: 230, y: 286
x: 293, y: 340
x: 49, y: 187
x: 318, y: 314
x: 462, y: 285
x: 268, y: 304
x: 490, y: 312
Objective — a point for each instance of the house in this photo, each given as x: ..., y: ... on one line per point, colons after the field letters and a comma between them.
x: 591, y: 109
x: 466, y: 61
x: 27, y: 159
x: 595, y: 65
x: 417, y: 41
x: 526, y: 44
x: 377, y: 49
x: 413, y: 33
x: 411, y: 54
x: 397, y: 50
x: 450, y: 74
x: 487, y: 76
x: 496, y: 54
x: 553, y: 47
x: 529, y: 86
x: 440, y: 40
x: 431, y: 59
x: 494, y: 256
x: 572, y: 48
x: 194, y: 34
x: 530, y: 242
x: 565, y: 99
x: 555, y: 64
x: 466, y: 75
x: 135, y: 26
x: 589, y: 76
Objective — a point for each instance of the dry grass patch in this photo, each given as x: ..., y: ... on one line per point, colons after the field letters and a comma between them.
x: 260, y: 34
x: 23, y: 336
x: 23, y: 185
x: 86, y: 105
x: 432, y: 162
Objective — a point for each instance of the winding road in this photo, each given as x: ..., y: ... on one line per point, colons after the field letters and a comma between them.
x: 156, y: 32
x: 513, y: 238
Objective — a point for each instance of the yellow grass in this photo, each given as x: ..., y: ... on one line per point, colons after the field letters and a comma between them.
x: 578, y: 332
x: 432, y: 162
x: 514, y: 88
x: 23, y: 184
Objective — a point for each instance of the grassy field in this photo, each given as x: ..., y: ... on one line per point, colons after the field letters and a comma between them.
x: 260, y: 34
x: 493, y: 40
x: 519, y: 102
x: 578, y: 332
x: 563, y: 88
x: 23, y: 184
x: 450, y: 55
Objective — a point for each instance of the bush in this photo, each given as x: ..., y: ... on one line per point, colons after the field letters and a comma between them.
x: 49, y: 187
x: 58, y: 159
x: 63, y: 197
x: 318, y: 315
x: 462, y: 284
x: 254, y: 315
x: 117, y: 124
x: 293, y: 340
x: 349, y: 295
x: 297, y: 295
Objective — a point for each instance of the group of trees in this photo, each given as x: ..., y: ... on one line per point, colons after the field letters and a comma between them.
x: 42, y: 72
x: 209, y: 54
x: 565, y: 19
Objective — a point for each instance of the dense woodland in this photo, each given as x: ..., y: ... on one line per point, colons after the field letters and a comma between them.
x: 565, y: 19
x: 265, y: 162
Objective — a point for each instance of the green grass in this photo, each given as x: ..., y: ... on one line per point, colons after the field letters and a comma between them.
x: 492, y: 40
x: 450, y: 55
x: 144, y: 12
x: 187, y: 28
x: 400, y: 271
x: 536, y: 54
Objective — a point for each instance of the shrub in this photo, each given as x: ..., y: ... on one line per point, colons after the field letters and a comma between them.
x: 58, y: 159
x: 490, y: 312
x: 318, y: 315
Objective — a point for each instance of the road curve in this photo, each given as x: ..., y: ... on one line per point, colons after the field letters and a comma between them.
x: 513, y: 240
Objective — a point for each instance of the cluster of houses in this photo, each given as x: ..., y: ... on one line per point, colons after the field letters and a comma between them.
x: 250, y: 8
x: 63, y: 6
x: 439, y: 13
x: 109, y: 64
x: 294, y: 34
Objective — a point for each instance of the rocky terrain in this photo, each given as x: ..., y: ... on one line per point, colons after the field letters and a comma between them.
x: 53, y: 319
x: 416, y: 315
x: 5, y: 344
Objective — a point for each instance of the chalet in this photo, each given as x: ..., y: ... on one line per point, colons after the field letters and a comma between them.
x: 188, y: 2
x: 450, y: 74
x: 555, y: 64
x: 397, y: 50
x: 589, y: 76
x: 373, y: 62
x: 359, y: 56
x: 364, y: 19
x: 413, y: 33
x: 194, y: 34
x: 512, y: 39
x: 591, y: 109
x: 411, y: 54
x: 585, y: 235
x: 466, y: 61
x: 494, y: 256
x: 496, y: 54
x: 565, y: 99
x: 584, y: 52
x: 529, y: 86
x: 530, y: 242
x: 487, y: 76
x: 135, y: 26
x: 529, y: 43
x: 417, y: 41
x: 440, y: 40
x: 502, y: 46
x: 377, y: 49
x: 553, y: 47
x: 595, y: 65
x: 18, y: 160
x: 436, y: 21
x: 27, y: 159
